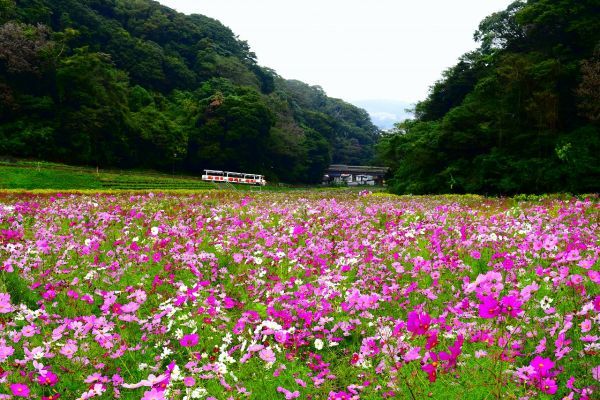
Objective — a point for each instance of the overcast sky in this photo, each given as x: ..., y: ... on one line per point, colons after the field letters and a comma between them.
x: 354, y: 49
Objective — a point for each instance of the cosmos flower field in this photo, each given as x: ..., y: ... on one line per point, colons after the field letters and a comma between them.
x: 314, y: 295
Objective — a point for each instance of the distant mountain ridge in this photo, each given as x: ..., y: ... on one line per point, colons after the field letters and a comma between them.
x: 109, y: 82
x: 386, y: 113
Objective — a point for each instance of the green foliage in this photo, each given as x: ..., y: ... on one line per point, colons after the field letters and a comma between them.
x: 519, y: 115
x: 231, y: 132
x: 135, y: 84
x: 92, y: 97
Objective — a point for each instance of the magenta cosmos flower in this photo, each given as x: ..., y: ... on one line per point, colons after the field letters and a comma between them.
x: 418, y: 322
x: 189, y: 340
x: 49, y: 379
x: 542, y: 365
x: 548, y: 386
x: 432, y: 367
x: 489, y: 308
x: 511, y: 305
x: 19, y: 390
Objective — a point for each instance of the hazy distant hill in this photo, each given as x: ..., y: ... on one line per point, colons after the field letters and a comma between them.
x: 385, y: 113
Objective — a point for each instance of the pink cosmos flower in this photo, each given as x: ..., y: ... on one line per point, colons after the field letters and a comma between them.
x: 5, y: 351
x: 288, y: 395
x: 28, y: 330
x: 541, y: 346
x: 298, y: 230
x: 69, y: 349
x: 19, y: 390
x: 189, y: 340
x: 475, y: 254
x: 150, y: 381
x: 586, y: 326
x: 280, y: 337
x: 339, y: 396
x: 189, y: 381
x: 5, y: 306
x: 413, y: 354
x: 153, y: 394
x: 267, y: 355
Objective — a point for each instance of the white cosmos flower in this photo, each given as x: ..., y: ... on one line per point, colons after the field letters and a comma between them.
x: 318, y: 344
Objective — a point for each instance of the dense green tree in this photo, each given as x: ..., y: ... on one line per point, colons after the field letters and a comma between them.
x: 92, y: 98
x: 110, y: 82
x: 520, y: 114
x: 232, y: 132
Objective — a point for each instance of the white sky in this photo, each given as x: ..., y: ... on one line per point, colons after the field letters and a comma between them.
x: 354, y: 49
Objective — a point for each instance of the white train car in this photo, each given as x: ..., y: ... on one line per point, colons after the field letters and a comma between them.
x: 233, y: 177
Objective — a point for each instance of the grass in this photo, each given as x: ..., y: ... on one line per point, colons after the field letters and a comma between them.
x: 31, y: 176
x: 27, y: 178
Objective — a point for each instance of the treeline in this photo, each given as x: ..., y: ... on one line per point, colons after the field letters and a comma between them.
x: 520, y: 114
x: 135, y: 84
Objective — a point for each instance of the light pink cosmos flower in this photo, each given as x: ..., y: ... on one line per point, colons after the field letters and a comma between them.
x: 5, y: 306
x: 189, y: 381
x: 267, y: 355
x: 150, y: 381
x: 413, y: 354
x: 596, y: 372
x: 288, y: 395
x: 69, y: 349
x: 5, y: 351
x: 28, y: 330
x: 153, y: 394
x: 586, y: 326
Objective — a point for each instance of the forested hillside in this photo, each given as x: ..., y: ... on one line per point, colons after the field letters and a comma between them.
x: 131, y: 83
x: 520, y: 114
